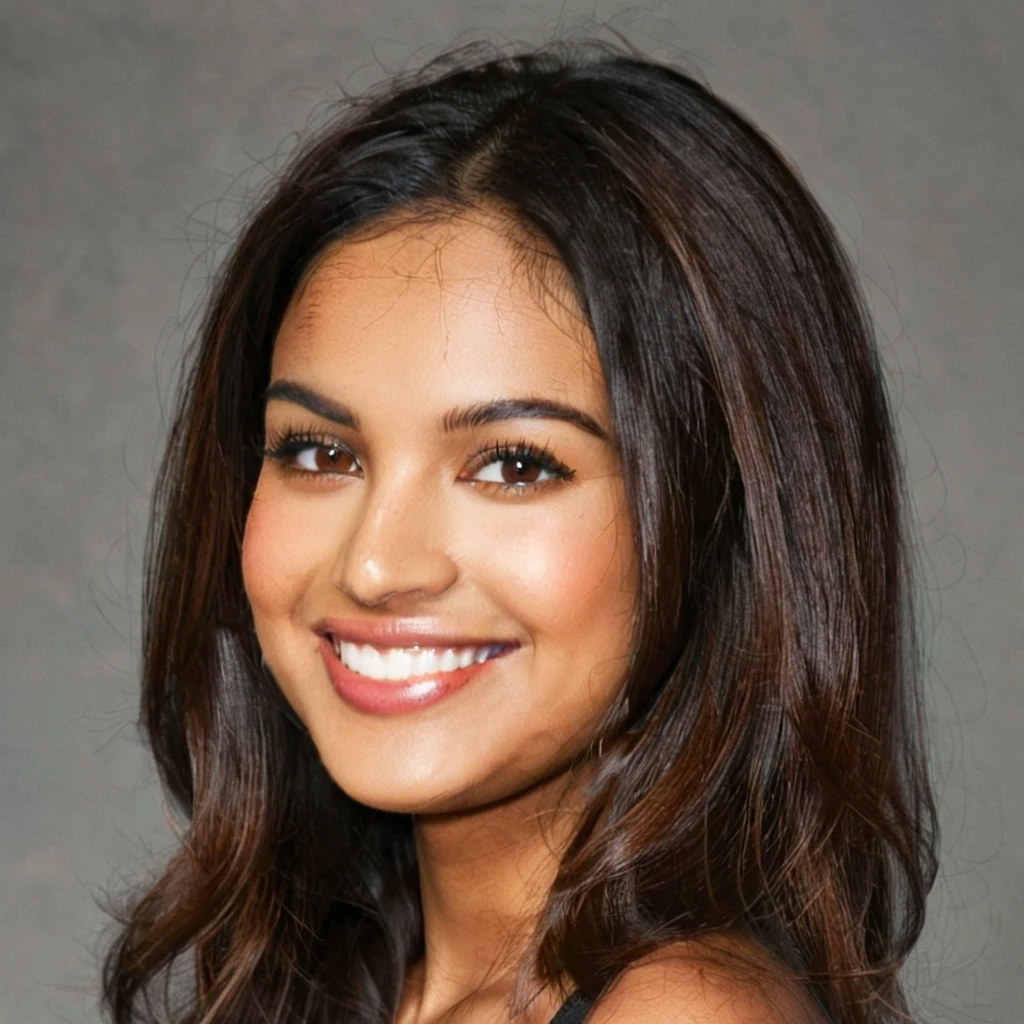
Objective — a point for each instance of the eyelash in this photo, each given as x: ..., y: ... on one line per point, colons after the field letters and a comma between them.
x: 286, y: 445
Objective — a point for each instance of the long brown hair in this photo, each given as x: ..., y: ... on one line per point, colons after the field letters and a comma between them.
x: 763, y: 768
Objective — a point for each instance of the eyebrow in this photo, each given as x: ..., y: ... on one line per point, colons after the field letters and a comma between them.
x: 459, y: 418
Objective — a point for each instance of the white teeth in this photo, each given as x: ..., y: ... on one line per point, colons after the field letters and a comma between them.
x: 401, y: 663
x: 397, y: 665
x: 423, y: 662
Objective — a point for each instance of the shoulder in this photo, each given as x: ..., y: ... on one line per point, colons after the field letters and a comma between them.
x: 722, y: 981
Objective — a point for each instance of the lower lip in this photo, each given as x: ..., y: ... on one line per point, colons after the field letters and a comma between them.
x: 396, y: 696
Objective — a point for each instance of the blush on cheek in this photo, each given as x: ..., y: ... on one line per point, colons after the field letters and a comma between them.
x: 270, y: 561
x: 565, y: 573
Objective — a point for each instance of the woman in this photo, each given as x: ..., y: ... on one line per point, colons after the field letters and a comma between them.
x: 527, y: 631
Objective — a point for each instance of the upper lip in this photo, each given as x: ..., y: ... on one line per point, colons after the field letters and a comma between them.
x: 401, y: 633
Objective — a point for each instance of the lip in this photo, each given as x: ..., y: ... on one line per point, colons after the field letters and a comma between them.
x: 400, y: 696
x: 401, y: 633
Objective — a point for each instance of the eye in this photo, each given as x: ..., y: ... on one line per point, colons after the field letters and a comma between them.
x: 519, y: 467
x: 311, y: 454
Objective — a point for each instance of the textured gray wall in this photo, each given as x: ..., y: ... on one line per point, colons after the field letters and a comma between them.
x: 125, y: 122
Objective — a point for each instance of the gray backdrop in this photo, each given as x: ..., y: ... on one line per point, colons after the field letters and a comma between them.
x: 129, y: 131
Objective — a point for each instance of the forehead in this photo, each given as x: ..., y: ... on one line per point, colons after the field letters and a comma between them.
x: 453, y: 309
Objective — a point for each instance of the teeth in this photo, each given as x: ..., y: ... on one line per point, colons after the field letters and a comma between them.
x: 402, y: 663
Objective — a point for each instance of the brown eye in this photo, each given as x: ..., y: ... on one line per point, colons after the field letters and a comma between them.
x: 312, y: 456
x: 523, y: 471
x: 520, y: 468
x: 511, y: 470
x: 322, y: 458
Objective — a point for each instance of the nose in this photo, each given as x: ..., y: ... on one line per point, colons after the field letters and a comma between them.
x: 394, y: 551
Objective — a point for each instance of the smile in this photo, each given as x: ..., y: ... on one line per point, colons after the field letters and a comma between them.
x: 396, y: 663
x: 397, y: 680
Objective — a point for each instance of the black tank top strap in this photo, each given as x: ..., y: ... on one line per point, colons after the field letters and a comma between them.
x: 573, y: 1010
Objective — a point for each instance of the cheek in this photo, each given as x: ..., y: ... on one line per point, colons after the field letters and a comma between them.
x: 281, y: 551
x: 569, y: 576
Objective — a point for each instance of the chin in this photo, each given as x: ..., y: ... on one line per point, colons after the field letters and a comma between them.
x: 423, y: 785
x: 402, y: 784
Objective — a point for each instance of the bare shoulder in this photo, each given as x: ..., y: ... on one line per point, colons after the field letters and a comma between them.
x: 721, y: 982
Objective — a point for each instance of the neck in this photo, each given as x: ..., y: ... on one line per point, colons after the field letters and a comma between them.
x: 484, y: 877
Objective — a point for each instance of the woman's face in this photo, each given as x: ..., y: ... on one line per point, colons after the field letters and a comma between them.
x: 381, y: 507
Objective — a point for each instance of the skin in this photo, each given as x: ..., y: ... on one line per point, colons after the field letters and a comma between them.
x: 401, y: 325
